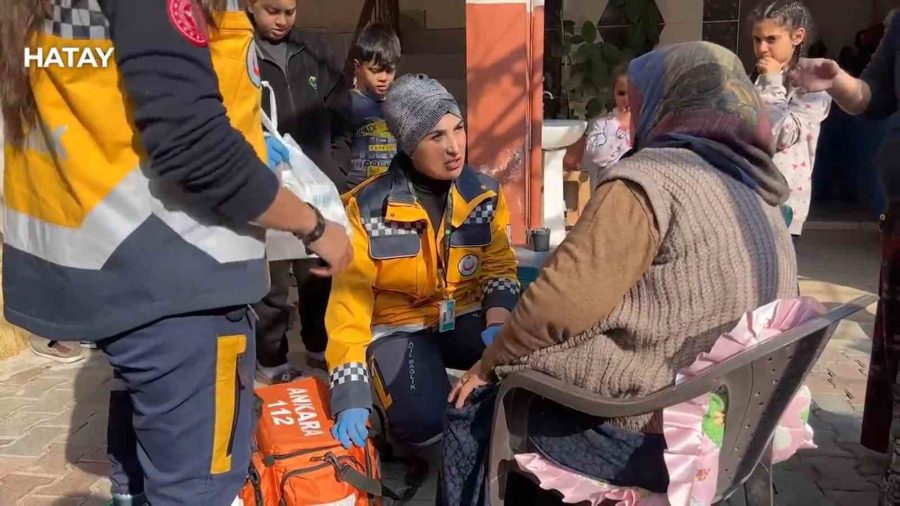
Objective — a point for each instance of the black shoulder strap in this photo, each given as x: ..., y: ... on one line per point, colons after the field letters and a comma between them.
x: 374, y: 487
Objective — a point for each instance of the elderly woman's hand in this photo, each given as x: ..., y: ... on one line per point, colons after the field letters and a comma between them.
x: 473, y: 379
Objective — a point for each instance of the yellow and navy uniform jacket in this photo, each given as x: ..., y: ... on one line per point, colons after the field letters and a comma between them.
x: 396, y: 280
x: 131, y: 199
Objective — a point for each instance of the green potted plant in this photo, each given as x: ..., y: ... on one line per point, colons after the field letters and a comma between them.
x: 588, y: 61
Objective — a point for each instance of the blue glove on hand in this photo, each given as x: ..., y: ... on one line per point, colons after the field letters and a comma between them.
x: 351, y: 426
x: 276, y: 152
x: 490, y: 333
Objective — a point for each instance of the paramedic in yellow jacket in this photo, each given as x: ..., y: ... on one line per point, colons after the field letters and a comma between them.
x: 433, y: 274
x: 135, y: 201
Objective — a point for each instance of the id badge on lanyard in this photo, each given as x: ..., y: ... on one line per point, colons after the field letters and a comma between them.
x: 447, y: 314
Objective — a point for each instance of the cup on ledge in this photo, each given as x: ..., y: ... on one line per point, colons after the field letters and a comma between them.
x: 539, y: 238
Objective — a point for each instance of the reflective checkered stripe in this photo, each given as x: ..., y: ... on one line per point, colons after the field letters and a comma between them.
x: 77, y: 19
x: 354, y: 371
x: 500, y: 292
x: 483, y: 214
x: 350, y: 387
x: 377, y: 226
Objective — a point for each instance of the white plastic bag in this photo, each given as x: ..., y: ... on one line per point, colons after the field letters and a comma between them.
x: 307, y: 181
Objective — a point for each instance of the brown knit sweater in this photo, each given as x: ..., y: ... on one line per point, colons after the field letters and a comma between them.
x: 722, y: 252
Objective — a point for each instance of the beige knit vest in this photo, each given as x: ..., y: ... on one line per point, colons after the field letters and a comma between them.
x: 723, y: 252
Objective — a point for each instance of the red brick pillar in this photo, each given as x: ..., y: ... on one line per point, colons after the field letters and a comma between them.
x: 504, y: 74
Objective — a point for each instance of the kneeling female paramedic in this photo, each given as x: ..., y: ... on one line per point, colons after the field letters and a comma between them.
x: 432, y: 278
x: 130, y: 188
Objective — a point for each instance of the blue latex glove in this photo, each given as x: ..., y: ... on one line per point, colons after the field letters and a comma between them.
x: 351, y: 426
x: 276, y: 152
x: 490, y: 333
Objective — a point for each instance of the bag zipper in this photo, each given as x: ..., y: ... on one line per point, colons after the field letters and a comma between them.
x: 296, y: 472
x: 269, y: 460
x: 255, y: 482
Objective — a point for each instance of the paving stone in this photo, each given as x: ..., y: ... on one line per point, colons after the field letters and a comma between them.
x: 827, y: 445
x: 25, y: 377
x: 833, y: 403
x: 871, y: 464
x: 11, y: 405
x: 57, y: 459
x: 73, y: 418
x: 55, y: 501
x: 32, y: 444
x: 847, y: 428
x: 102, y: 489
x: 10, y: 465
x: 16, y: 486
x: 40, y: 387
x: 793, y: 487
x: 95, y: 454
x: 18, y: 423
x: 831, y: 356
x: 76, y: 482
x: 842, y: 498
x: 838, y: 474
x: 53, y: 402
x: 91, y: 434
x: 820, y: 384
x: 848, y: 369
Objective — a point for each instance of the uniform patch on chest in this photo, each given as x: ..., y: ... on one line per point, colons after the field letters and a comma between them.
x: 187, y: 17
x: 468, y: 265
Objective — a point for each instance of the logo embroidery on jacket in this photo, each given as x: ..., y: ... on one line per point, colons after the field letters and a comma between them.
x: 313, y: 83
x: 468, y: 265
x: 253, y: 65
x: 188, y: 19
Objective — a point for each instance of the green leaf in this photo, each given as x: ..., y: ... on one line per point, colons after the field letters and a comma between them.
x: 595, y: 107
x: 582, y: 54
x: 612, y: 54
x: 599, y: 69
x: 589, y: 32
x: 569, y: 27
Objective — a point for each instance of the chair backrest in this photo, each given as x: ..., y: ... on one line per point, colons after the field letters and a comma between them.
x: 760, y: 391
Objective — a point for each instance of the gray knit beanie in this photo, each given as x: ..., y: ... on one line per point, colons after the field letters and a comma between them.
x: 413, y: 106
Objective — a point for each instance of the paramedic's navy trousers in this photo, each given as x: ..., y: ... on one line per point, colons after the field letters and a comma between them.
x: 187, y: 396
x: 410, y: 379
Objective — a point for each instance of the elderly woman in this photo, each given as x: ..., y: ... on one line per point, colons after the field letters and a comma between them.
x: 680, y: 239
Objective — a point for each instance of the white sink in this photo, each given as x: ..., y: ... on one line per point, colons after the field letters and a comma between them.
x: 557, y: 135
x: 561, y: 133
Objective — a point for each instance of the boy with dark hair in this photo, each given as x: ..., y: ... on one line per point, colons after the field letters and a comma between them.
x: 312, y: 96
x: 375, y: 55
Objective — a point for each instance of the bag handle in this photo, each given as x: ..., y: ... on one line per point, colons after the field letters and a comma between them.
x: 371, y: 486
x: 270, y: 123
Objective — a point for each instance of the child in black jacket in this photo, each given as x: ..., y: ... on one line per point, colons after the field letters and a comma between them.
x: 313, y: 106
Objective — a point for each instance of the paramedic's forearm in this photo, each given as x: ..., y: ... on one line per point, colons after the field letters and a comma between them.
x: 850, y: 94
x: 496, y: 315
x: 288, y: 213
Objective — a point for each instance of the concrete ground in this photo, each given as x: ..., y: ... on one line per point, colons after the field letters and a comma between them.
x: 53, y: 417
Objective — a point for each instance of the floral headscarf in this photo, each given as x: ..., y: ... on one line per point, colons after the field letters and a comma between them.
x: 696, y: 95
